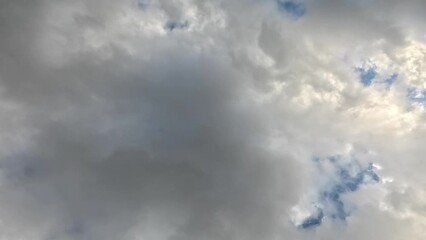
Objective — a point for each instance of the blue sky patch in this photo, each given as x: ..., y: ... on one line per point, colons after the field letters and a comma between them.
x: 417, y: 95
x: 313, y: 221
x: 391, y: 80
x: 367, y: 75
x: 294, y: 9
x: 345, y: 178
x: 349, y: 179
x: 173, y: 25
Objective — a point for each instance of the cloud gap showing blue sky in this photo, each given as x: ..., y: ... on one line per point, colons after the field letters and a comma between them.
x: 417, y: 96
x: 367, y: 75
x: 342, y: 179
x: 293, y: 8
x: 175, y: 25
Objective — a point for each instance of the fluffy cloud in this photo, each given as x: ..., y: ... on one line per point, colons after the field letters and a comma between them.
x: 188, y: 119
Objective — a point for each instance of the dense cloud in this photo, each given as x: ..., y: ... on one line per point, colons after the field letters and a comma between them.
x: 189, y: 120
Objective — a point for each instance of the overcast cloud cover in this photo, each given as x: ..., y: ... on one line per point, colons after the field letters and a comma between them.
x: 212, y: 119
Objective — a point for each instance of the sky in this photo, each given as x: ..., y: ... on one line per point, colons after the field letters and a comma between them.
x: 212, y: 119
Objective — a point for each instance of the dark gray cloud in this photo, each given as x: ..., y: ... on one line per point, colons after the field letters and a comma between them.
x: 120, y: 142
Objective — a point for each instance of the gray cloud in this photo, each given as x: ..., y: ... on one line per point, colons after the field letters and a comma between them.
x: 114, y: 127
